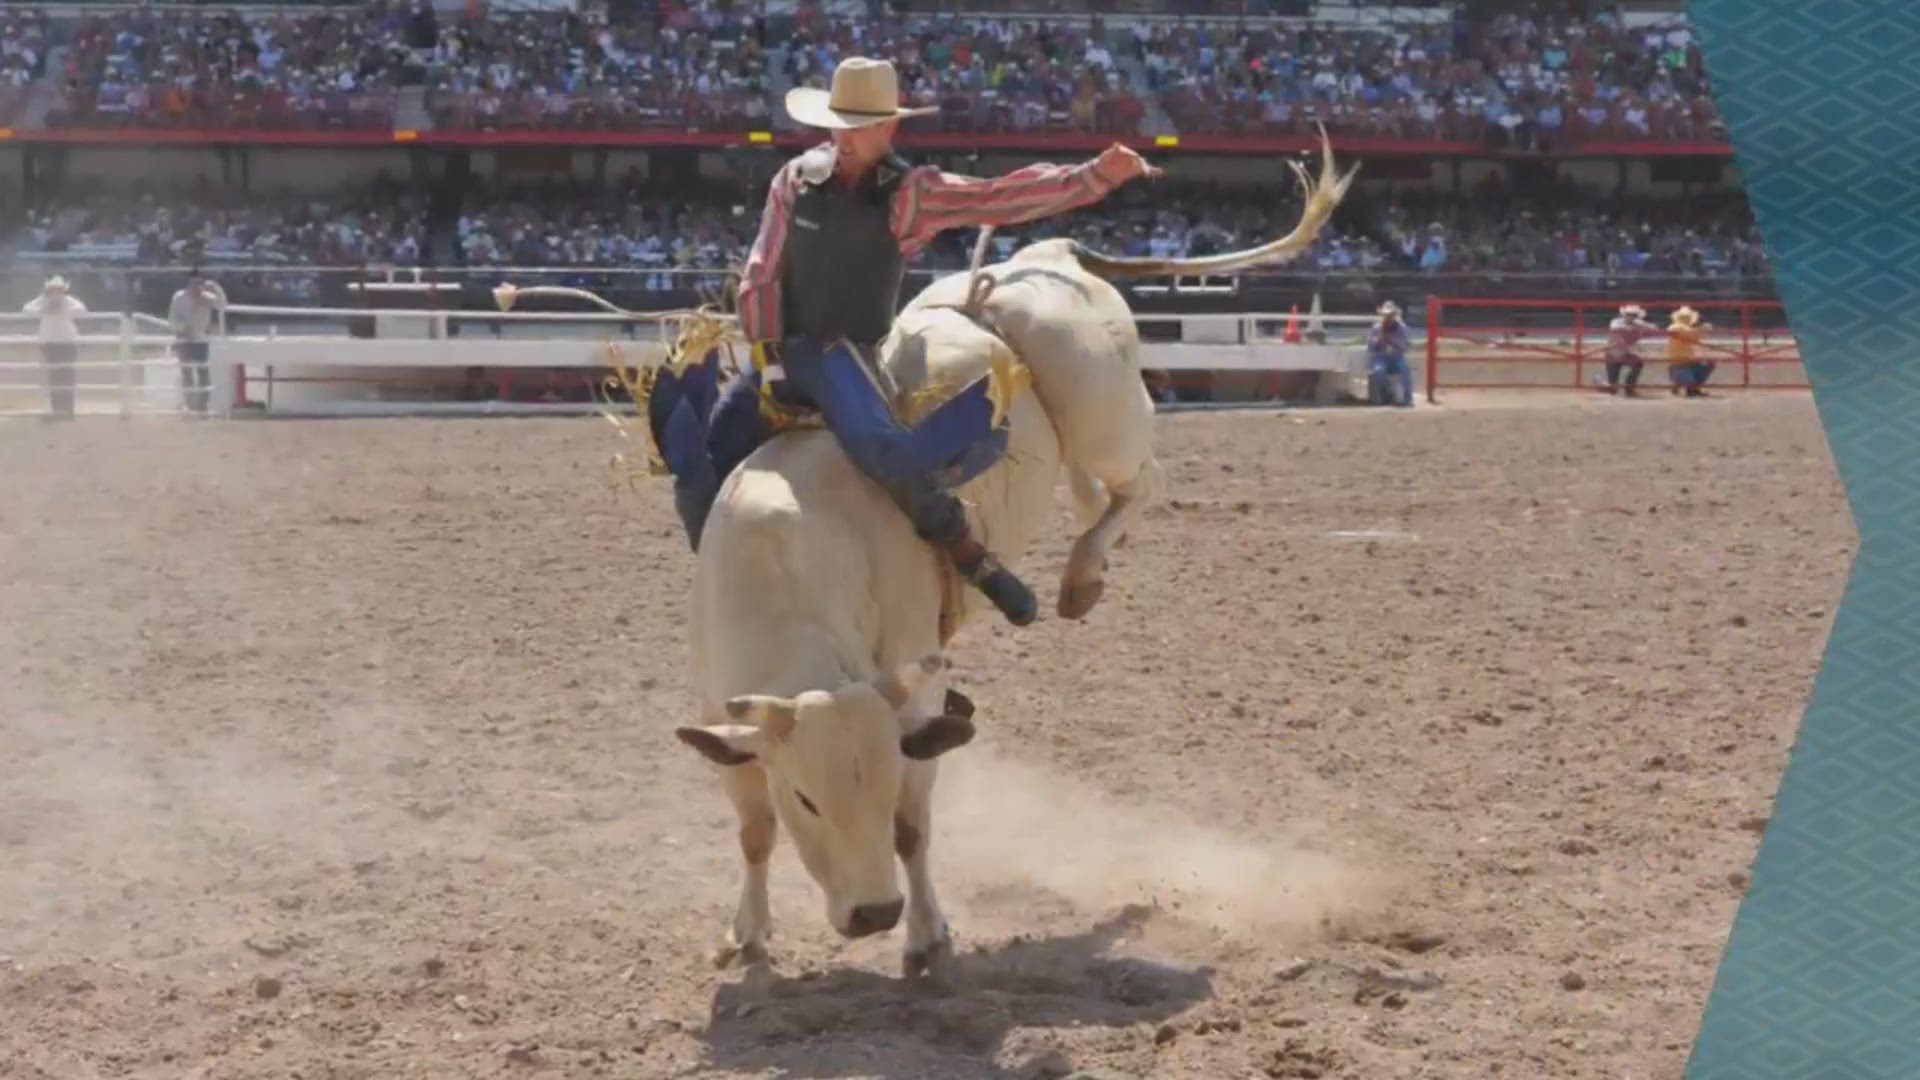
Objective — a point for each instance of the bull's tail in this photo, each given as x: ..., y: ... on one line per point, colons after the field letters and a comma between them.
x: 1322, y: 196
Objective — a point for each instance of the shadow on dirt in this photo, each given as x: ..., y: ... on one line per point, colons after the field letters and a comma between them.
x: 862, y: 1023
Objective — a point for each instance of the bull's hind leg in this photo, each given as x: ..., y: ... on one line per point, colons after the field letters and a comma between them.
x: 1085, y: 577
x: 1089, y: 497
x: 746, y: 787
x: 929, y: 945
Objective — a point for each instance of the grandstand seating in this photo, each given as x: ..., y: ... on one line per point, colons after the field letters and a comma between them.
x: 1420, y: 78
x: 1536, y: 82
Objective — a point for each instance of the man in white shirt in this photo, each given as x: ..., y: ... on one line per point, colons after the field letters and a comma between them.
x: 59, y: 341
x: 192, y: 316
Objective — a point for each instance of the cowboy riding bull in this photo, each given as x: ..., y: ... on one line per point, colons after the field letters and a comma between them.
x: 834, y: 566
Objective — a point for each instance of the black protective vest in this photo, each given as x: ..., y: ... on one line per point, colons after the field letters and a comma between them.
x: 842, y: 265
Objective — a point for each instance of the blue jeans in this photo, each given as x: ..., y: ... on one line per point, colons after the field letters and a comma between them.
x: 918, y: 466
x: 1632, y: 368
x: 704, y: 432
x: 1692, y: 375
x: 949, y: 446
x: 1390, y: 380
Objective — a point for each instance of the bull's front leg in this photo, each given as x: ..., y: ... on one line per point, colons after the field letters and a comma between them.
x: 929, y: 945
x: 753, y: 921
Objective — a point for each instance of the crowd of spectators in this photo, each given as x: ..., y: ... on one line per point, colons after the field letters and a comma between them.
x: 1541, y: 229
x: 1524, y: 81
x: 1532, y: 80
x: 690, y: 67
x: 626, y: 225
x: 156, y: 226
x: 1569, y: 229
x: 23, y: 59
x: 160, y: 67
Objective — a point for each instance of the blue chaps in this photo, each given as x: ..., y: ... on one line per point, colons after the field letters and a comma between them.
x: 1389, y: 380
x: 704, y: 432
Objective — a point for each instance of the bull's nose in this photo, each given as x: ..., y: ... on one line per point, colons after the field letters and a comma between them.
x: 874, y: 918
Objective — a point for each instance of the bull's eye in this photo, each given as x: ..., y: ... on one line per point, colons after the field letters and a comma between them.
x: 808, y: 803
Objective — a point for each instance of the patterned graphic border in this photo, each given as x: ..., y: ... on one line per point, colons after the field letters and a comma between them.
x: 1821, y: 977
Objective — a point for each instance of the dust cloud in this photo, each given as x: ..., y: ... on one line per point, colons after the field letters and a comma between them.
x: 1006, y: 823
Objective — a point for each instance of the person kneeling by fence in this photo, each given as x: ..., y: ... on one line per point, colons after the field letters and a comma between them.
x: 1623, y: 349
x: 1389, y: 379
x: 1684, y: 334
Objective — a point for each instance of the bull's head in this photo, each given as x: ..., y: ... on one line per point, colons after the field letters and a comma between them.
x: 834, y: 762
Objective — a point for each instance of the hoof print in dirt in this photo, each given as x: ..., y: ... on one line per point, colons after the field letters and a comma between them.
x: 1139, y: 982
x: 1295, y: 1060
x: 1390, y: 986
x: 1049, y: 1065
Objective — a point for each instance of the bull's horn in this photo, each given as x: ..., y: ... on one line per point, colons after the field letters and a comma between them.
x: 899, y: 686
x: 1322, y: 196
x: 774, y: 716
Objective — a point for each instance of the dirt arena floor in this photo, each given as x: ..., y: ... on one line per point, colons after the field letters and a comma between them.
x: 1429, y: 744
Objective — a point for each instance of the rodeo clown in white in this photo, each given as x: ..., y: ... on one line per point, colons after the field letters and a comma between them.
x: 59, y: 311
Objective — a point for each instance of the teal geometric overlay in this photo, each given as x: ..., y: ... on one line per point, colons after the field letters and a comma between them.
x: 1821, y: 977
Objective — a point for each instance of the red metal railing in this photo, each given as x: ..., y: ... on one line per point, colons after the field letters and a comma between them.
x: 1494, y: 343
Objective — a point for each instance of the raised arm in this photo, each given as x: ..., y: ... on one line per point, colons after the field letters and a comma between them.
x: 931, y: 201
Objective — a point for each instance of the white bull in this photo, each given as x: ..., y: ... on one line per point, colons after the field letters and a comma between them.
x: 819, y: 618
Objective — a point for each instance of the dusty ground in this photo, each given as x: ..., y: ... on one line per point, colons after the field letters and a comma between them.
x: 341, y: 750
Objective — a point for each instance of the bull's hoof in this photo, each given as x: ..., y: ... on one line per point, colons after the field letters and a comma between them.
x: 1076, y: 599
x: 933, y: 964
x: 748, y: 956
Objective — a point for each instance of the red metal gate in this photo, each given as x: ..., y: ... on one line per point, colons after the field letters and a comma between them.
x: 1487, y: 343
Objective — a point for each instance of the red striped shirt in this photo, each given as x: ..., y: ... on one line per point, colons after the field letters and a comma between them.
x: 927, y: 203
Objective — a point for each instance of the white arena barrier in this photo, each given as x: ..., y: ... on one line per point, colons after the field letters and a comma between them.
x: 423, y: 362
x: 125, y: 366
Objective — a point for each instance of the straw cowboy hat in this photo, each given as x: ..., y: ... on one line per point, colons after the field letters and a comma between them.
x: 1389, y: 308
x: 865, y: 92
x: 1685, y: 316
x: 55, y: 283
x: 1631, y: 310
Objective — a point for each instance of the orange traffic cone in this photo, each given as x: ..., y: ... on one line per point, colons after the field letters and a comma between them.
x: 1292, y: 336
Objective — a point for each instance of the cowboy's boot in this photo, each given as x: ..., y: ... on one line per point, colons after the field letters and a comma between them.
x: 983, y: 570
x: 940, y: 519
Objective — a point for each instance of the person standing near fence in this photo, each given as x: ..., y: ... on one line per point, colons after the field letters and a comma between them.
x: 59, y: 312
x: 192, y: 316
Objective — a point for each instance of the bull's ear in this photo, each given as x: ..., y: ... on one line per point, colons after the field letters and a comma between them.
x: 898, y: 686
x: 936, y: 737
x: 722, y: 744
x: 774, y: 716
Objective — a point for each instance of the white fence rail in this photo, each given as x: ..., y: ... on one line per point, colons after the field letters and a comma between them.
x: 122, y: 364
x: 424, y: 353
x: 306, y: 363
